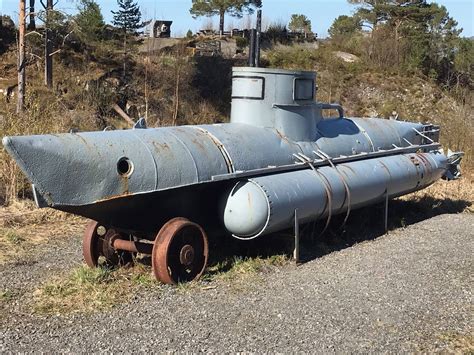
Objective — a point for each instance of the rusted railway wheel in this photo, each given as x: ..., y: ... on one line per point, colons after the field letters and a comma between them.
x: 97, y: 242
x: 180, y: 252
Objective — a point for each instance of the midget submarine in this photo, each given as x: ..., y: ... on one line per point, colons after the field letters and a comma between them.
x: 162, y: 191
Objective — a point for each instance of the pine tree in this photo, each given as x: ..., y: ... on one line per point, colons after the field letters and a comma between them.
x: 418, y: 34
x: 300, y: 23
x: 128, y: 20
x: 90, y: 21
x: 235, y: 8
x: 128, y: 17
x: 345, y: 26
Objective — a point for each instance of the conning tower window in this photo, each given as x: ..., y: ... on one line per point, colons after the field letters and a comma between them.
x: 248, y: 87
x: 303, y: 89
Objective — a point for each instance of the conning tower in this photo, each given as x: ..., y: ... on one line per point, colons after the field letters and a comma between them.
x: 276, y: 98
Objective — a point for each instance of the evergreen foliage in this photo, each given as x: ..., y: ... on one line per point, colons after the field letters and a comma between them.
x: 89, y: 21
x: 345, y: 26
x: 407, y: 35
x: 128, y: 17
x: 235, y: 8
x: 300, y: 23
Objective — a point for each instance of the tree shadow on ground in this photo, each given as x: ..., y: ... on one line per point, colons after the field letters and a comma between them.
x: 363, y: 224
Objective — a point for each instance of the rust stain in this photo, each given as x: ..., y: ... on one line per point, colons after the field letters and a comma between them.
x: 83, y: 140
x: 348, y: 168
x: 424, y: 160
x: 198, y: 144
x: 161, y: 147
x: 124, y: 183
x: 114, y: 197
x: 415, y: 161
x: 280, y: 134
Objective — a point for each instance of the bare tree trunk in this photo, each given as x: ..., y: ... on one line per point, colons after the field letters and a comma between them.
x: 147, y: 63
x: 124, y: 55
x: 21, y: 59
x: 32, y: 23
x: 221, y: 23
x: 48, y: 47
x: 176, y: 96
x: 397, y: 45
x: 146, y: 90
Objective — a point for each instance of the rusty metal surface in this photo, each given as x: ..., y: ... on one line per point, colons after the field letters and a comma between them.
x: 171, y: 157
x: 132, y: 246
x: 176, y: 157
x: 89, y: 244
x: 180, y: 252
x: 98, y: 242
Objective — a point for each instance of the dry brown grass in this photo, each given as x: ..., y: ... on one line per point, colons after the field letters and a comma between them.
x: 23, y: 228
x: 449, y: 343
x: 458, y: 343
x: 86, y: 290
x: 449, y: 193
x: 44, y: 114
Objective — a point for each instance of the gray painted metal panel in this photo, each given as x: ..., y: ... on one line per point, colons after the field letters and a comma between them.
x: 253, y: 147
x: 170, y: 157
x: 263, y: 205
x: 60, y: 166
x: 279, y: 107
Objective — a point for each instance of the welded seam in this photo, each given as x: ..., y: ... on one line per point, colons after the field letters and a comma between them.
x: 389, y: 179
x: 221, y: 147
x: 155, y: 165
x: 364, y: 132
x: 189, y: 152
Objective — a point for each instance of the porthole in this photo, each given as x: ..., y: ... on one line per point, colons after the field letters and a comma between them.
x: 124, y: 167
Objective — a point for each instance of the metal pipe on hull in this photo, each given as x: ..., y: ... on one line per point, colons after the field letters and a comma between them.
x: 264, y: 204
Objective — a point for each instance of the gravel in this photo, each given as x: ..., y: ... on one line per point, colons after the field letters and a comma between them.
x: 410, y: 290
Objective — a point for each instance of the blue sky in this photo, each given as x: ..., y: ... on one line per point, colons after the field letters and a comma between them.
x: 321, y: 12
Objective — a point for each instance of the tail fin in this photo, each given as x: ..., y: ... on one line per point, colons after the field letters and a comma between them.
x: 454, y: 161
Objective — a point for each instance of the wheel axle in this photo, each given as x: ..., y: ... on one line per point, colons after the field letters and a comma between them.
x: 133, y: 247
x: 178, y: 254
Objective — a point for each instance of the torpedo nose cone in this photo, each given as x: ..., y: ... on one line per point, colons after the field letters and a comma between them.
x: 245, y: 210
x: 47, y: 163
x: 70, y: 169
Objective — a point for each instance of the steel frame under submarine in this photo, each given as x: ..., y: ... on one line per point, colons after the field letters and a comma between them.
x: 158, y: 190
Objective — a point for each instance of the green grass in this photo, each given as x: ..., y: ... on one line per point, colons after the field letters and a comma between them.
x: 12, y: 245
x: 12, y: 237
x: 237, y: 267
x: 6, y: 296
x: 86, y: 290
